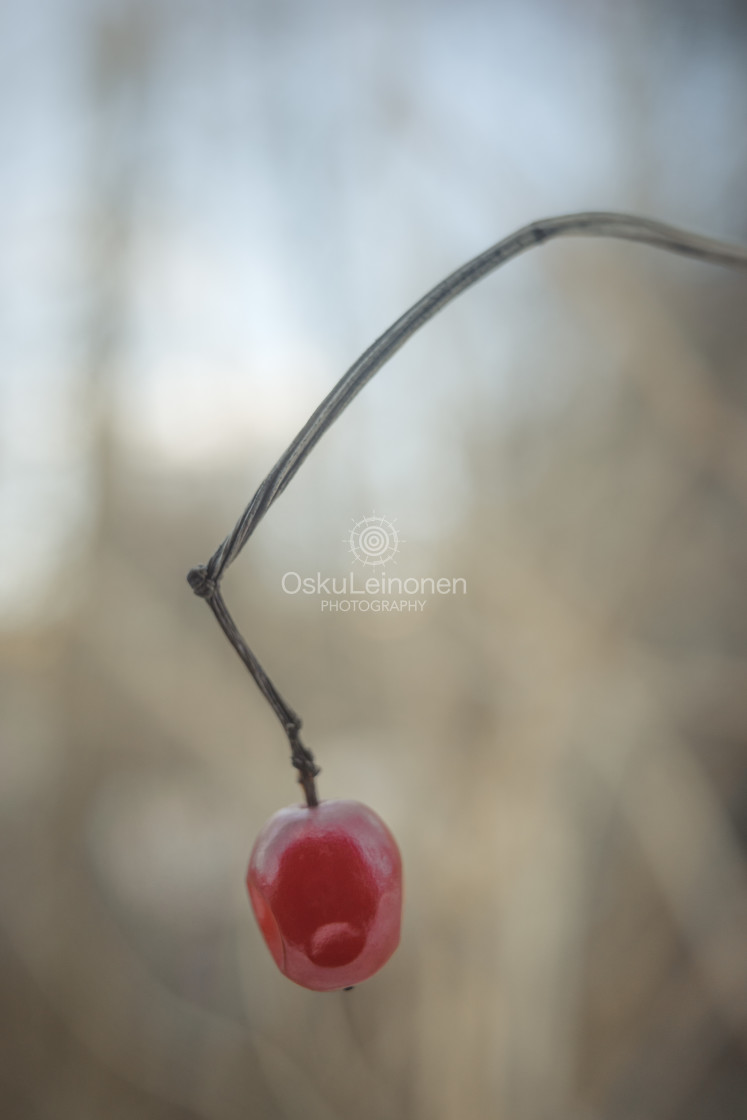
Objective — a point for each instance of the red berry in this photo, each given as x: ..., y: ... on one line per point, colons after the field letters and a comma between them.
x: 326, y: 888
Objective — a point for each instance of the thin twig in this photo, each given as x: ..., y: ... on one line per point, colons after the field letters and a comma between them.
x: 205, y: 579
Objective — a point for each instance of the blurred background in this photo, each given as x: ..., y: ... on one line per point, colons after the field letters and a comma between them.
x: 209, y: 209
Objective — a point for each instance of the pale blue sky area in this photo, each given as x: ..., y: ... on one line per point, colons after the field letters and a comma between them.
x: 286, y: 179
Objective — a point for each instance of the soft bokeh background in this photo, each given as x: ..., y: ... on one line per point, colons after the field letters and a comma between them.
x: 209, y: 209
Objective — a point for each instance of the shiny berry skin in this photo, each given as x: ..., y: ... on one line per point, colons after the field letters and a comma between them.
x: 325, y: 884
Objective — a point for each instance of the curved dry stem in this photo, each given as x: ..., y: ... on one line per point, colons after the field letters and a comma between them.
x: 205, y: 579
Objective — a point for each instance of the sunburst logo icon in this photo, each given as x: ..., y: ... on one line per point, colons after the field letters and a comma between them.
x: 373, y: 540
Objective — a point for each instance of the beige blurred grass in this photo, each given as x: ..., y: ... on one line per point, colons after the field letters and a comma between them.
x: 561, y: 755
